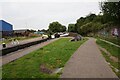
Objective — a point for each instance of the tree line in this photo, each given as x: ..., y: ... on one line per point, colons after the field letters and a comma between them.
x: 92, y: 23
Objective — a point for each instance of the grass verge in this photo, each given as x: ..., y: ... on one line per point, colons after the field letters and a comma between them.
x: 54, y: 55
x: 114, y: 65
x: 115, y: 51
x: 115, y: 40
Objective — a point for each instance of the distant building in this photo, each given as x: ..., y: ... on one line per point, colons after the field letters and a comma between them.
x: 6, y: 29
x: 39, y: 32
x: 21, y: 32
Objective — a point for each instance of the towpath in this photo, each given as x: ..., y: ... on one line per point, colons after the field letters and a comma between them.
x: 17, y: 54
x: 88, y: 62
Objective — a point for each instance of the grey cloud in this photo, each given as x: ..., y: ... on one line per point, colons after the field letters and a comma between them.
x: 38, y: 15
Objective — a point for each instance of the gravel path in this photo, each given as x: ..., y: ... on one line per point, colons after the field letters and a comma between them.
x: 17, y: 54
x: 87, y: 62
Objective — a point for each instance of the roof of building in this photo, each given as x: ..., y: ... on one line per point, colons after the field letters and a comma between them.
x: 5, y: 22
x: 21, y: 30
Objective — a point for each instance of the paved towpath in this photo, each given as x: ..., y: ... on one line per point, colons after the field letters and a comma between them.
x: 21, y: 42
x: 87, y: 62
x: 17, y: 54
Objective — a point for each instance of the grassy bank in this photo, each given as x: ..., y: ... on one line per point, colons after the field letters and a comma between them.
x: 53, y: 56
x: 114, y: 51
x: 115, y: 40
x: 112, y: 63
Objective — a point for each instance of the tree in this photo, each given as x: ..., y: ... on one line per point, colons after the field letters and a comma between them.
x: 90, y: 17
x: 62, y: 29
x: 43, y: 30
x: 71, y: 28
x: 56, y: 27
x: 83, y: 21
x: 111, y: 11
x: 32, y: 30
x: 79, y: 23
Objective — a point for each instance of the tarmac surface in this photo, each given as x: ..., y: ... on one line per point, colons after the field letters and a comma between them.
x: 88, y: 62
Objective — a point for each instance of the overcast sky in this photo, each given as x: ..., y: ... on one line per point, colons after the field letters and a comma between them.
x: 38, y: 14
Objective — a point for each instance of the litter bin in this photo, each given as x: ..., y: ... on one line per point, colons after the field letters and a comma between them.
x: 4, y: 45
